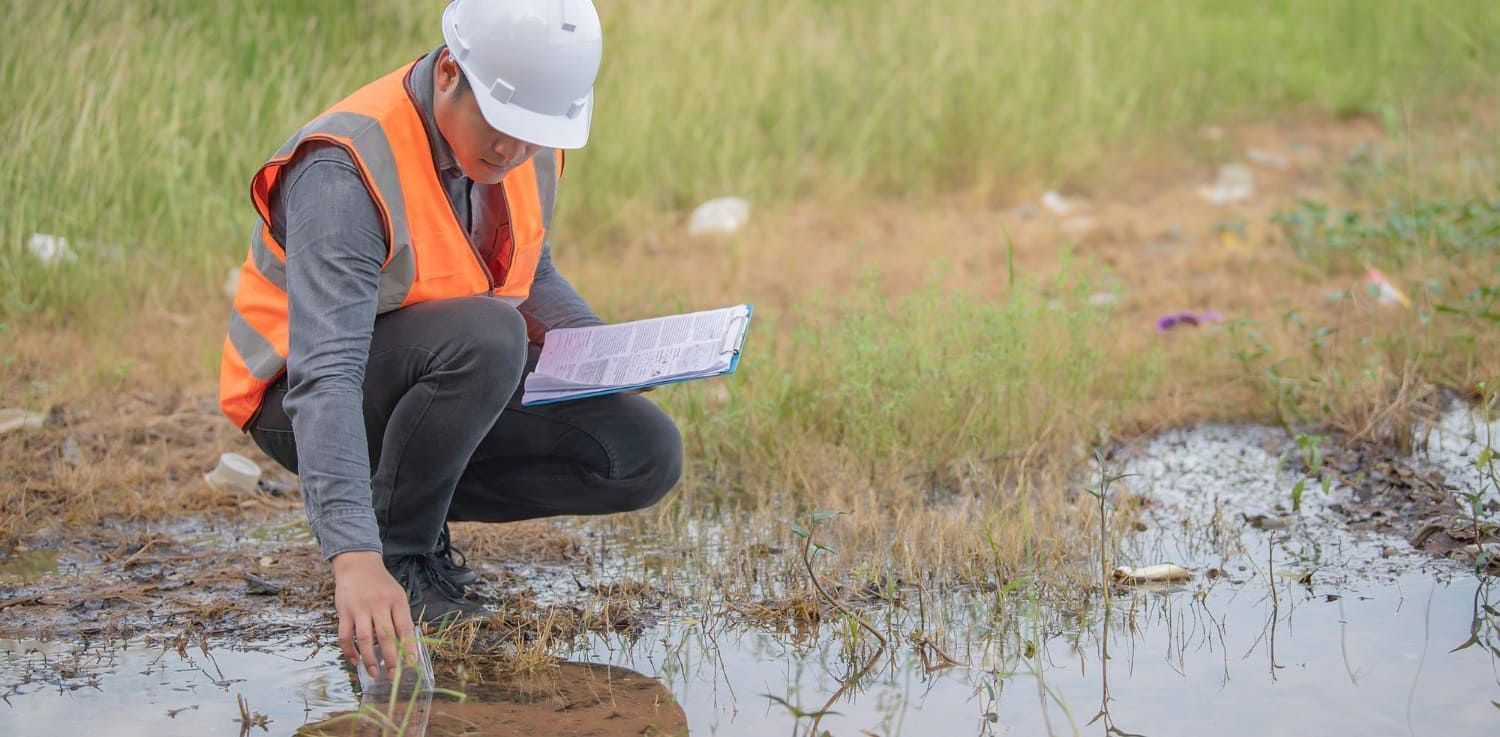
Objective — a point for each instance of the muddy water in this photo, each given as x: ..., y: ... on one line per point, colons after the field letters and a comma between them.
x: 1375, y: 659
x: 1303, y: 628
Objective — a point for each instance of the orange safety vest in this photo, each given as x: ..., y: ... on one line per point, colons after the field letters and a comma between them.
x: 428, y: 253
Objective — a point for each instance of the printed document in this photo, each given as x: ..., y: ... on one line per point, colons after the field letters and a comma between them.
x: 604, y: 359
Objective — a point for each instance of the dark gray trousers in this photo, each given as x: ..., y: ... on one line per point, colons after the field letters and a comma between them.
x: 449, y: 439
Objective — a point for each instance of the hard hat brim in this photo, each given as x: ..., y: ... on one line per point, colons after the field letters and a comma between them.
x: 549, y: 131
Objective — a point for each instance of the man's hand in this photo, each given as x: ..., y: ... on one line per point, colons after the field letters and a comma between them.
x: 372, y: 608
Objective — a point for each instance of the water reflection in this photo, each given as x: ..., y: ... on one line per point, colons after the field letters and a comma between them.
x: 588, y: 700
x: 1417, y: 655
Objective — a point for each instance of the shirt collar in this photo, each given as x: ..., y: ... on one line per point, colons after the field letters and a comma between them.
x: 422, y: 86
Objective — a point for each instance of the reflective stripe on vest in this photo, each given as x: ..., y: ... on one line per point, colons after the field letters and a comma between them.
x: 428, y: 252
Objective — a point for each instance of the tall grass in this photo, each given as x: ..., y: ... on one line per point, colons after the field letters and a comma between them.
x: 132, y: 127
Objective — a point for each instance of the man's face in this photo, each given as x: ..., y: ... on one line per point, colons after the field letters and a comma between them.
x: 485, y: 154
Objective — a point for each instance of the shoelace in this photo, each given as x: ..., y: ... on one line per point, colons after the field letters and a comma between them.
x: 417, y: 572
x: 449, y: 553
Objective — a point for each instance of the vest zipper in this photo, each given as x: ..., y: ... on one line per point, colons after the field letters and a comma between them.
x: 510, y: 231
x: 489, y: 278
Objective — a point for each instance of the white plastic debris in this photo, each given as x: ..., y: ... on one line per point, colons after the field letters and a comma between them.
x: 50, y: 249
x: 1056, y: 204
x: 1235, y: 183
x: 1267, y: 158
x: 12, y: 419
x: 232, y: 282
x: 1385, y: 292
x: 720, y: 216
x: 234, y: 473
x: 1161, y: 573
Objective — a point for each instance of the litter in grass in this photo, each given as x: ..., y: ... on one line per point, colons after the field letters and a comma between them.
x: 50, y: 249
x: 1186, y: 318
x: 1056, y: 204
x: 12, y: 419
x: 721, y: 216
x: 1383, y: 290
x: 1235, y: 183
x: 234, y: 473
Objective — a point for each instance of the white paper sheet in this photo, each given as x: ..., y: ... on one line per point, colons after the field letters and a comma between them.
x: 637, y: 353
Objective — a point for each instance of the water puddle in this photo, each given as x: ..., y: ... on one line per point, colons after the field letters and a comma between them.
x: 1377, y: 659
x: 1295, y: 622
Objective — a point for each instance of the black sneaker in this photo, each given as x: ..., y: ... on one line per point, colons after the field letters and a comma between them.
x: 433, y: 598
x: 452, y: 563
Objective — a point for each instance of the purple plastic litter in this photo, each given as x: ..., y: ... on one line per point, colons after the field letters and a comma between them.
x: 1172, y: 320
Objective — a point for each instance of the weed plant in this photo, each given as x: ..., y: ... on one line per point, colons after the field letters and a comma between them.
x: 1397, y: 235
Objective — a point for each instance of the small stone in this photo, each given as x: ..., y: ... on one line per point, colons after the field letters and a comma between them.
x: 271, y: 487
x: 71, y: 455
x: 1103, y: 299
x: 259, y: 586
x: 1266, y: 521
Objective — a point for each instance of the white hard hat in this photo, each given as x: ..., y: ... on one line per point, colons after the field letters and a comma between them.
x: 531, y: 64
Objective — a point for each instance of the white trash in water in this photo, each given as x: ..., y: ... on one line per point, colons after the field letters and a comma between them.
x: 1235, y: 183
x: 1162, y: 573
x: 234, y: 473
x: 232, y: 282
x: 720, y: 216
x: 12, y: 419
x: 1056, y: 204
x: 50, y: 249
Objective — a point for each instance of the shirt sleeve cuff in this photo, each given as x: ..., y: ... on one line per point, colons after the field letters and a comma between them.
x: 343, y: 532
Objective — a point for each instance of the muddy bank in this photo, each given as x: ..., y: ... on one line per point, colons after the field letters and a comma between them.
x: 1204, y: 495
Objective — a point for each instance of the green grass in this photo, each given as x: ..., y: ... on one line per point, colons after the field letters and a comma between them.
x: 132, y: 127
x: 1399, y: 234
x: 927, y: 383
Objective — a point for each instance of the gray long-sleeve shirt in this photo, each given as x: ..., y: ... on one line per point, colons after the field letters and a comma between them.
x: 324, y: 217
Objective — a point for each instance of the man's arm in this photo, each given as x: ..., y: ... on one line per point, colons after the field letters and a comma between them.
x: 553, y: 302
x: 335, y: 246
